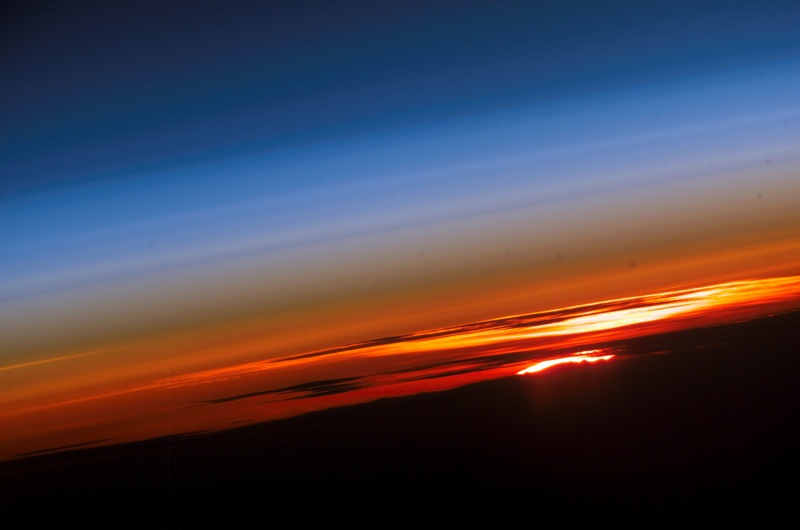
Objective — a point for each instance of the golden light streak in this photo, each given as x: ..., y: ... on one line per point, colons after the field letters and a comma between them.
x: 580, y: 357
x: 52, y: 360
x: 577, y: 320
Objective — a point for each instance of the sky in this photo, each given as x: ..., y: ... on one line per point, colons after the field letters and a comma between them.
x: 196, y: 187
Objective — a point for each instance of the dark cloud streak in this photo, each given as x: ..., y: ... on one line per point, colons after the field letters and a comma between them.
x: 324, y: 387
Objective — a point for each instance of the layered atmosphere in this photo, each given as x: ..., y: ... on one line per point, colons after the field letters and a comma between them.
x: 92, y: 408
x: 217, y: 215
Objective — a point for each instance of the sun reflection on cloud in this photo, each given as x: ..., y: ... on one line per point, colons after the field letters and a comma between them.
x: 587, y: 356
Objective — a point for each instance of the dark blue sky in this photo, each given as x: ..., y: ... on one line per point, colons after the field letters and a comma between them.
x: 96, y: 89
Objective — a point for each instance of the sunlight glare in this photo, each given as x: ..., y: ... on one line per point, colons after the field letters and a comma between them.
x: 579, y: 357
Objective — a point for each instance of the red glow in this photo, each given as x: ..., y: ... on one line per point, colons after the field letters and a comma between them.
x: 84, y: 409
